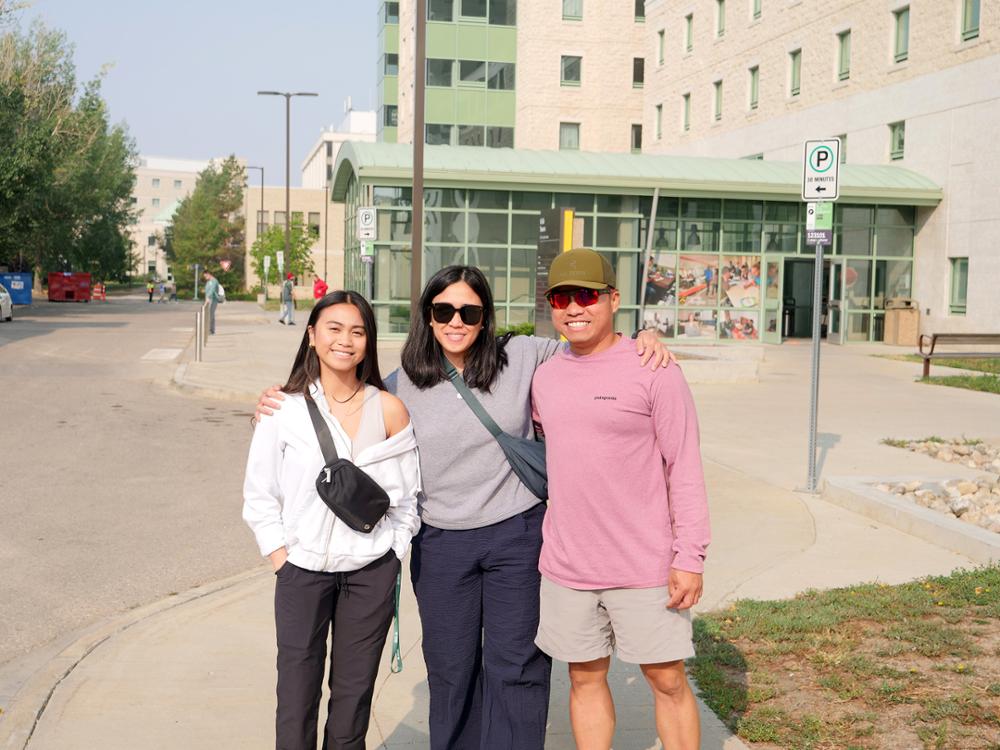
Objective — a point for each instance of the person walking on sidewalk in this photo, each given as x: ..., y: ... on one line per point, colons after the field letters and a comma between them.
x: 627, y: 527
x: 474, y: 564
x: 288, y: 301
x: 330, y: 577
x: 212, y: 296
x: 149, y: 289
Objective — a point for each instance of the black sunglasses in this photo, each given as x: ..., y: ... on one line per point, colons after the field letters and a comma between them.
x: 444, y: 312
x: 561, y: 298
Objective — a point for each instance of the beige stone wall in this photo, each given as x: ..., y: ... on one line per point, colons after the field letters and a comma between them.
x: 407, y: 37
x: 786, y: 25
x: 605, y: 104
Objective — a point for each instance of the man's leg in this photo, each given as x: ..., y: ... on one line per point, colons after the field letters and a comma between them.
x: 515, y: 672
x: 676, y: 709
x: 447, y: 581
x: 211, y: 316
x: 591, y: 709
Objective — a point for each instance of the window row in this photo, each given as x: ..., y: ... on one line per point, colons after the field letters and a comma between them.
x: 571, y: 71
x: 968, y: 29
x: 279, y: 221
x: 498, y: 76
x: 495, y: 12
x: 494, y: 136
x: 177, y: 183
x: 572, y: 10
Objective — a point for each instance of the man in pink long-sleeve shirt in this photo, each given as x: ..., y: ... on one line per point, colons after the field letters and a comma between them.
x: 625, y: 534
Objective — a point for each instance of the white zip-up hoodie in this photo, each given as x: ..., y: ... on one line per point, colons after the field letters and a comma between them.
x: 282, y: 507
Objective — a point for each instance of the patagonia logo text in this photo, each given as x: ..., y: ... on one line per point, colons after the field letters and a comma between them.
x: 605, y: 398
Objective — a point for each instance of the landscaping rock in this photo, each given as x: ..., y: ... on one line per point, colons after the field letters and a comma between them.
x: 976, y: 502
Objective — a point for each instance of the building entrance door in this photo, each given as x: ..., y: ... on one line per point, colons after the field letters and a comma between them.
x: 836, y: 314
x: 797, y: 296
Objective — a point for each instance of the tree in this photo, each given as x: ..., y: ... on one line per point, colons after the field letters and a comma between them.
x: 208, y: 225
x: 298, y: 259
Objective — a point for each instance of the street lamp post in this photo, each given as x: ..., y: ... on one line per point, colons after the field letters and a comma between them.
x: 260, y: 219
x: 288, y: 155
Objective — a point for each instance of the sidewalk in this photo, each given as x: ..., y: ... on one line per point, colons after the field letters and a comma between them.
x: 197, y: 671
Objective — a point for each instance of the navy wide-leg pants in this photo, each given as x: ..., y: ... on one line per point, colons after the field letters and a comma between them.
x: 477, y: 591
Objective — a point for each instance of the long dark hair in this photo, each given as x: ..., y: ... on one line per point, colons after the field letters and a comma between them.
x: 306, y: 368
x: 421, y: 356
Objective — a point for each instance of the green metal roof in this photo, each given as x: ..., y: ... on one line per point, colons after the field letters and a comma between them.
x: 580, y: 171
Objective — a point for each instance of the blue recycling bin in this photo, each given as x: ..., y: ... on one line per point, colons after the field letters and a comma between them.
x: 19, y: 286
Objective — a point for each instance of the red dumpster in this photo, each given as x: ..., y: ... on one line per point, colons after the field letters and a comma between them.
x: 69, y: 287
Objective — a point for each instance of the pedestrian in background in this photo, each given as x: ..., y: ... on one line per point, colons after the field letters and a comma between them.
x: 288, y: 301
x: 319, y: 288
x: 212, y: 296
x: 330, y: 577
x: 149, y: 289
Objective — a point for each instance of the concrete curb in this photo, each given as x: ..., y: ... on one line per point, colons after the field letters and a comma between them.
x: 857, y: 494
x: 28, y: 705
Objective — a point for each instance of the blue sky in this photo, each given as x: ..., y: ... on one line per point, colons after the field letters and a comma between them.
x: 185, y: 74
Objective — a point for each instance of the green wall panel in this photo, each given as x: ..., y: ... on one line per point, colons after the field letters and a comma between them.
x: 471, y: 107
x: 501, y: 108
x: 440, y: 105
x: 502, y: 43
x: 472, y: 42
x: 441, y: 40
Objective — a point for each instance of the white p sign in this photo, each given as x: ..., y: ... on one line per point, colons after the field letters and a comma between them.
x: 821, y: 170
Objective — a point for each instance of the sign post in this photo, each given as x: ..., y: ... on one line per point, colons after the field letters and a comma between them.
x: 281, y: 262
x: 820, y: 187
x: 267, y: 274
x: 367, y: 234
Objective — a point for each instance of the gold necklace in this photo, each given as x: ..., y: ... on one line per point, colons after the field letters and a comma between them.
x: 346, y: 400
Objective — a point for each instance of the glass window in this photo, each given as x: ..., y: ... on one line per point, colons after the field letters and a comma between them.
x: 438, y: 135
x: 857, y: 283
x: 701, y: 208
x: 572, y: 9
x: 492, y: 261
x: 156, y: 202
x: 743, y: 210
x: 524, y: 229
x: 895, y: 216
x: 440, y: 10
x: 640, y: 10
x: 444, y: 226
x: 660, y: 46
x: 858, y: 327
x: 488, y: 199
x: 156, y: 182
x: 897, y: 138
x: 391, y: 13
x: 392, y: 196
x: 659, y: 121
x: 702, y: 236
x: 959, y: 285
x: 579, y: 202
x: 636, y: 140
x: 843, y: 148
x: 474, y: 8
x: 756, y: 9
x: 471, y: 135
x: 444, y: 198
x: 892, y: 279
x: 843, y: 56
x: 177, y: 184
x: 391, y: 67
x: 529, y: 201
x: 261, y: 221
x: 795, y: 72
x: 718, y: 100
x: 852, y: 230
x: 689, y: 32
x: 391, y: 116
x: 686, y: 121
x: 501, y: 76
x: 522, y: 275
x: 665, y: 235
x: 487, y: 228
x: 720, y: 18
x: 613, y: 232
x: 439, y: 72
x: 472, y: 71
x: 626, y: 266
x: 571, y: 70
x: 638, y: 72
x: 279, y: 218
x: 741, y: 238
x: 569, y: 136
x: 396, y: 225
x: 618, y: 204
x: 754, y: 86
x: 498, y: 137
x: 503, y: 12
x: 437, y: 257
x: 970, y: 19
x: 314, y: 223
x: 901, y: 49
x: 894, y: 241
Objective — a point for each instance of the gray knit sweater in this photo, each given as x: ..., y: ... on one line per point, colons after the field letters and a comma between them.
x: 467, y: 481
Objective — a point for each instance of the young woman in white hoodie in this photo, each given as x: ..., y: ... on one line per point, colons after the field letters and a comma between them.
x: 328, y: 576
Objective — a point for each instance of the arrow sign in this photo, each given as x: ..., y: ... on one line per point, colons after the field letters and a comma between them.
x: 821, y: 170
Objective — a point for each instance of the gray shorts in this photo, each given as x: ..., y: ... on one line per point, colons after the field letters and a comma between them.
x: 579, y: 625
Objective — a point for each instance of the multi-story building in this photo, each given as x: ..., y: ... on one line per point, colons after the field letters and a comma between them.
x: 161, y: 183
x: 553, y: 75
x: 357, y: 125
x: 907, y: 83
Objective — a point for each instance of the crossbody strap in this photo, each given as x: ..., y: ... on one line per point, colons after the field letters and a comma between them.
x: 396, y: 658
x: 470, y: 400
x: 322, y: 432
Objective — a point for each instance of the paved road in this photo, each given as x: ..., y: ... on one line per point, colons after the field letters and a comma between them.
x: 115, y: 490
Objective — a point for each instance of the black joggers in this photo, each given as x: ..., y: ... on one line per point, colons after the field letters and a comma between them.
x: 477, y: 590
x: 358, y: 606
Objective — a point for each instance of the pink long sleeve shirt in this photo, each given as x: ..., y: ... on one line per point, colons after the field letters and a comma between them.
x: 627, y: 494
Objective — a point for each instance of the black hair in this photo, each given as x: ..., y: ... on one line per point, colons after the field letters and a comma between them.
x: 421, y: 355
x: 306, y: 368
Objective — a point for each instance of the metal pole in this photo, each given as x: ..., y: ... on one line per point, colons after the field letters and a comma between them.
x: 814, y: 392
x: 197, y: 336
x: 420, y: 77
x: 205, y: 329
x: 645, y: 260
x: 288, y: 177
x: 197, y: 268
x: 326, y: 227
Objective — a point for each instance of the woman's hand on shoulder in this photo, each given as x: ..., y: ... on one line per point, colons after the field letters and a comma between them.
x: 653, y: 351
x: 268, y: 403
x: 394, y: 414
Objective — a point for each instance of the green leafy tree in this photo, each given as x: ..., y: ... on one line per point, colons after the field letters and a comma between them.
x: 298, y: 259
x: 208, y: 225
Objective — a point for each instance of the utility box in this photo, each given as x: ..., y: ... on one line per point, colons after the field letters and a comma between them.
x: 69, y: 287
x: 902, y: 321
x: 19, y: 285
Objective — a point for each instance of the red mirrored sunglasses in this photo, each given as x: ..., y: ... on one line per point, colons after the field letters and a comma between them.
x: 560, y: 298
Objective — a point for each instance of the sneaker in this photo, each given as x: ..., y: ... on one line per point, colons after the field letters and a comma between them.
x: 292, y: 323
x: 281, y: 320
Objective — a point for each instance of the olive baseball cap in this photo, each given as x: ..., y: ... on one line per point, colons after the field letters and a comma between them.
x: 581, y: 267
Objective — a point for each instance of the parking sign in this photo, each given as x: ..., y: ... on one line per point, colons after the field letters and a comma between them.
x: 821, y: 170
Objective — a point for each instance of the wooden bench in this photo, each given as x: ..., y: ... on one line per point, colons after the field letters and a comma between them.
x: 957, y: 339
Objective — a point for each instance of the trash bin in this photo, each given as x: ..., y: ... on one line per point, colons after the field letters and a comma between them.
x: 69, y: 287
x: 19, y: 285
x: 902, y: 321
x: 788, y: 319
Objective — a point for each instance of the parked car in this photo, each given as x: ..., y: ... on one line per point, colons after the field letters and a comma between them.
x: 6, y: 305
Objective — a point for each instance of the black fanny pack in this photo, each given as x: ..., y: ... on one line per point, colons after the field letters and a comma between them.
x: 353, y: 496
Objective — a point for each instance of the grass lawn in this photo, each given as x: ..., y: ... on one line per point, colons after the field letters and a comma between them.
x: 985, y: 383
x: 991, y: 365
x: 873, y: 666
